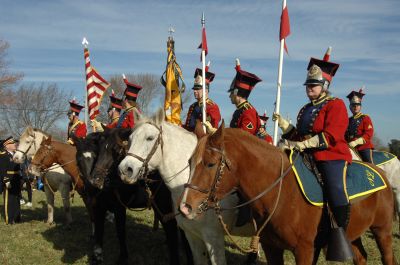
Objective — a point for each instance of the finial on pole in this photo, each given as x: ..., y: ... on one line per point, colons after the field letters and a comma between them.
x: 203, y: 20
x: 123, y: 76
x: 85, y: 42
x: 171, y: 30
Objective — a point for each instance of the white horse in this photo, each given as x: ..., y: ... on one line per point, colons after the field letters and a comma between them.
x: 172, y: 147
x: 392, y: 169
x: 54, y: 180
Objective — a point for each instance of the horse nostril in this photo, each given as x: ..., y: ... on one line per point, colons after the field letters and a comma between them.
x: 185, y: 208
x: 129, y: 171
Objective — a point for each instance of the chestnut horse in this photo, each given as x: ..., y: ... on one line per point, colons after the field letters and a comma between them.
x: 233, y: 159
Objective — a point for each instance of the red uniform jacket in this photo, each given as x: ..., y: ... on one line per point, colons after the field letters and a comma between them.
x: 196, y: 113
x: 78, y: 129
x: 326, y: 118
x: 113, y: 123
x: 127, y: 119
x: 245, y: 117
x: 360, y: 125
x: 268, y: 138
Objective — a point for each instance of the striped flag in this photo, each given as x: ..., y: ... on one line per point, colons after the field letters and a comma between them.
x: 95, y: 86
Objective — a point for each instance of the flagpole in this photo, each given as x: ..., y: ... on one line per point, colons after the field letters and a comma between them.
x: 85, y: 44
x: 279, y: 83
x: 203, y: 59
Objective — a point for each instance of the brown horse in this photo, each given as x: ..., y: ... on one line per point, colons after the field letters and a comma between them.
x: 233, y: 159
x: 51, y: 152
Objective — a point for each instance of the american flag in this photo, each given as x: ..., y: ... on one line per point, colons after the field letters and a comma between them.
x: 95, y: 86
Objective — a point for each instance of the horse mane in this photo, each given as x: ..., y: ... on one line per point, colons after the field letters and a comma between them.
x: 25, y: 133
x: 41, y: 131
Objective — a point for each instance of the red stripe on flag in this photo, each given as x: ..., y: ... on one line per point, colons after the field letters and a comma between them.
x: 203, y: 45
x: 285, y: 26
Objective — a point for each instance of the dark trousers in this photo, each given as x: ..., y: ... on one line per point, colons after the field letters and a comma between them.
x: 334, y: 176
x: 366, y: 155
x: 12, y: 209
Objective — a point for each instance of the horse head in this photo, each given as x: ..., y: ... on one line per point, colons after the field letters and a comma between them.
x: 28, y: 144
x: 205, y: 188
x: 111, y: 150
x: 44, y: 157
x: 145, y: 148
x: 87, y: 152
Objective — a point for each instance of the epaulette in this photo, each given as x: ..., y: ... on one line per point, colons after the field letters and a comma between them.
x: 247, y: 106
x: 2, y: 152
x: 210, y: 102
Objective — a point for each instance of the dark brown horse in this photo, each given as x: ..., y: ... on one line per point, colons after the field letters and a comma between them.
x: 233, y: 159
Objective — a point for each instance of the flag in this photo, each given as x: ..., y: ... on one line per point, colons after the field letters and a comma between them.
x: 285, y: 26
x: 203, y: 45
x: 95, y: 86
x: 173, y: 90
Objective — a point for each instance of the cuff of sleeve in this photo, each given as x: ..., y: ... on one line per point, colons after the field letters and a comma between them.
x: 289, y: 133
x: 323, y: 142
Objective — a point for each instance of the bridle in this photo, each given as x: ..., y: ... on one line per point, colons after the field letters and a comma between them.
x: 211, y: 201
x: 43, y: 169
x: 33, y: 143
x: 144, y: 169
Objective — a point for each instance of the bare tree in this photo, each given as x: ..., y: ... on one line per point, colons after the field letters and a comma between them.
x: 378, y: 144
x: 40, y: 106
x: 6, y: 78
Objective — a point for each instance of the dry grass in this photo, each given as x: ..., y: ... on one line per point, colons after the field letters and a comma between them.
x: 34, y: 242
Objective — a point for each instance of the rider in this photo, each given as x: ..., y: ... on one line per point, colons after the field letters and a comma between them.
x: 360, y: 131
x: 127, y: 119
x: 262, y: 131
x: 320, y: 131
x: 114, y: 111
x: 75, y: 126
x: 10, y: 177
x: 213, y: 116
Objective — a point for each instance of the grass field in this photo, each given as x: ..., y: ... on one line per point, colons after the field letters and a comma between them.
x: 34, y: 242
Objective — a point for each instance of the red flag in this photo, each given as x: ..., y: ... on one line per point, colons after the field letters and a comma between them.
x: 95, y: 86
x: 203, y: 45
x: 285, y: 26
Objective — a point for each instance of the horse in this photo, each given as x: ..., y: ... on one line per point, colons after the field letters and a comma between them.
x: 98, y: 158
x: 233, y: 159
x: 55, y: 179
x: 392, y: 170
x: 158, y: 145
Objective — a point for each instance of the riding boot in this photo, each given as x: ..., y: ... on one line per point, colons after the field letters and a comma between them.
x: 244, y: 214
x: 339, y: 248
x: 342, y: 215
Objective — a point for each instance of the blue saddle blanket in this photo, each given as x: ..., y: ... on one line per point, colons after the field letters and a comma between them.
x: 361, y: 180
x: 382, y: 157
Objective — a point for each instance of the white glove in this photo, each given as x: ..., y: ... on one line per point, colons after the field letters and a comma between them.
x: 282, y: 123
x: 356, y: 142
x: 301, y: 146
x: 209, y: 128
x: 97, y: 126
x: 8, y: 185
x: 70, y: 141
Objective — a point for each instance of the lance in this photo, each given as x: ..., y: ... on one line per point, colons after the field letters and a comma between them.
x: 279, y: 83
x: 85, y: 44
x: 203, y: 60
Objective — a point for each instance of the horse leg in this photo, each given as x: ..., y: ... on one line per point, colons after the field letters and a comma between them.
x: 198, y: 248
x: 304, y: 253
x: 186, y: 247
x: 90, y: 205
x: 99, y: 217
x: 64, y: 190
x: 171, y: 233
x: 120, y: 222
x: 360, y: 255
x: 50, y: 204
x: 215, y: 245
x: 273, y: 254
x: 383, y: 237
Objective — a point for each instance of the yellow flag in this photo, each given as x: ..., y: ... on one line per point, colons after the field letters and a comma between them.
x: 173, y: 90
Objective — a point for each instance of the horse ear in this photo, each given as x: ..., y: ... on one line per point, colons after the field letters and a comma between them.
x: 29, y: 130
x: 46, y: 141
x: 159, y: 117
x: 198, y: 130
x: 217, y: 138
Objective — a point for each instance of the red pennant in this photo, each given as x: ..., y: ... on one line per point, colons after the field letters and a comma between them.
x: 203, y: 45
x: 285, y: 26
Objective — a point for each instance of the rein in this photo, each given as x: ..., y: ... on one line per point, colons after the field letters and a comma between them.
x: 29, y: 147
x: 144, y: 169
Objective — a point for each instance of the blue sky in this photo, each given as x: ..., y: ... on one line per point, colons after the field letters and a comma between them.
x: 130, y: 37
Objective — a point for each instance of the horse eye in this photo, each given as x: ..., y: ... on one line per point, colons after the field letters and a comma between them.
x: 150, y: 138
x: 210, y: 165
